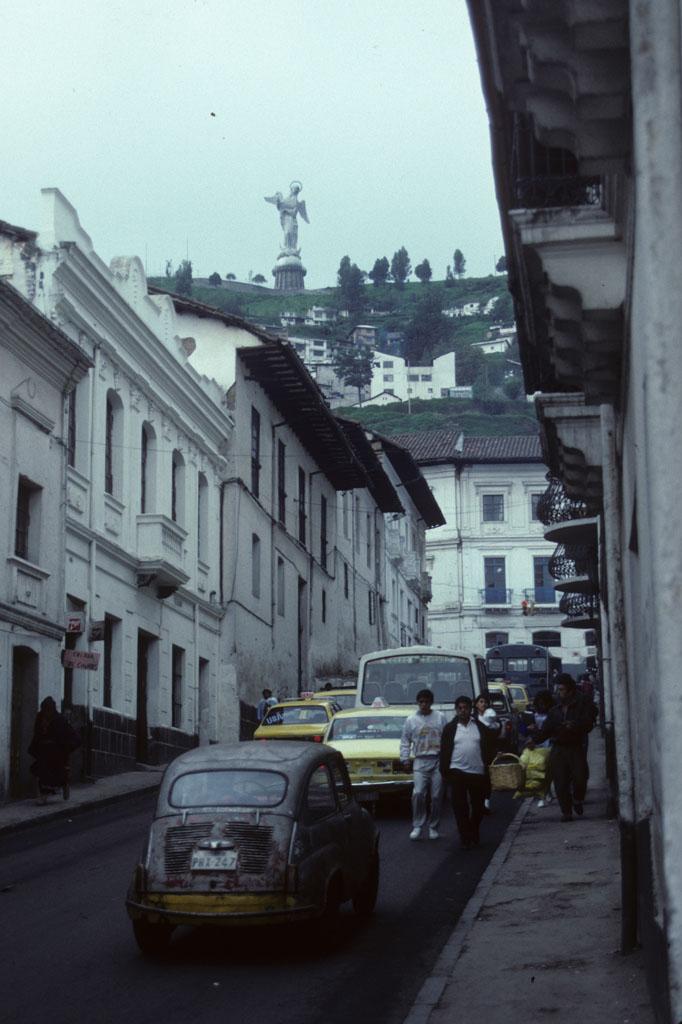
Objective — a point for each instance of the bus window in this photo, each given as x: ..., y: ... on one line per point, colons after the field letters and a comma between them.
x: 496, y: 666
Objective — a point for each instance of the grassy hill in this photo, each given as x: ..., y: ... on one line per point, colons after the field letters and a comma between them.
x: 473, y: 418
x: 393, y: 309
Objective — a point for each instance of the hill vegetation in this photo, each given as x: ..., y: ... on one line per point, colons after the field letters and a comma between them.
x: 474, y: 418
x: 409, y: 309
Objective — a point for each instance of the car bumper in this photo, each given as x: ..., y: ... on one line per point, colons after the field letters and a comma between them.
x: 228, y: 909
x: 369, y: 790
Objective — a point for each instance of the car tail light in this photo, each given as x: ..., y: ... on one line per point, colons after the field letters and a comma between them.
x: 317, y: 739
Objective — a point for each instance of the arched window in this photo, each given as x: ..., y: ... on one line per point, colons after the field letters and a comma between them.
x: 147, y: 468
x: 547, y: 638
x: 113, y: 445
x: 178, y: 488
x: 202, y: 517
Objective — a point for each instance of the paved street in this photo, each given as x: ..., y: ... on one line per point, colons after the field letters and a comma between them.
x: 68, y: 954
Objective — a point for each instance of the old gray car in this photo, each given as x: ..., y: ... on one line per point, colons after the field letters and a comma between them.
x: 253, y: 833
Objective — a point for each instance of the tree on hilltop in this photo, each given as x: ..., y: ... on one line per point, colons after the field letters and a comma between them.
x: 401, y: 268
x: 259, y: 279
x: 427, y: 330
x: 423, y: 271
x: 183, y: 278
x: 230, y: 277
x: 458, y: 263
x: 354, y: 365
x: 501, y: 265
x: 351, y: 284
x: 379, y: 273
x: 215, y: 279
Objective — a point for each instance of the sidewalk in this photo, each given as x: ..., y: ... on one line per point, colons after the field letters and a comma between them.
x: 539, y: 938
x: 23, y: 813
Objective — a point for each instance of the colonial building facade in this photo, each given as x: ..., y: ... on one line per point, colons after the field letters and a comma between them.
x: 40, y: 368
x: 490, y: 561
x: 222, y: 530
x: 585, y: 103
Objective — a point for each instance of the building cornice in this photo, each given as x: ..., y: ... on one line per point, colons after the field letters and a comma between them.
x: 53, y: 630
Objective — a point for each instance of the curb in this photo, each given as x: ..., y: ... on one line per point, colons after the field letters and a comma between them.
x: 432, y: 989
x: 70, y: 810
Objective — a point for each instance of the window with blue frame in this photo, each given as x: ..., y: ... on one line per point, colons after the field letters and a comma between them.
x: 495, y: 581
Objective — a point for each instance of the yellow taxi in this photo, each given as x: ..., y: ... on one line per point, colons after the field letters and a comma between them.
x: 369, y: 739
x: 304, y: 719
x: 519, y: 696
x: 344, y: 696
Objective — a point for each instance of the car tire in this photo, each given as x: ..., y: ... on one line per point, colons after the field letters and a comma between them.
x: 365, y: 898
x: 152, y: 939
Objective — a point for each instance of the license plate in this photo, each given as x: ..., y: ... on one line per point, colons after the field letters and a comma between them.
x: 364, y: 769
x: 210, y: 860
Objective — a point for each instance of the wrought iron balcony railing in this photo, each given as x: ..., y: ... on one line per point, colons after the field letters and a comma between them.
x: 496, y: 595
x: 571, y: 560
x: 555, y: 506
x: 544, y: 191
x: 580, y: 606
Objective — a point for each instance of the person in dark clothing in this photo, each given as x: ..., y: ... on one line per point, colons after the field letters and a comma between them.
x: 53, y: 742
x: 567, y: 725
x: 467, y: 748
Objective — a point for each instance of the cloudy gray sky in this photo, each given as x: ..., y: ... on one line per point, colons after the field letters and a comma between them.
x: 375, y: 107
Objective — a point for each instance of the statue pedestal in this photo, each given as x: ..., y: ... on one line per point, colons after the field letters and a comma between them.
x: 289, y: 273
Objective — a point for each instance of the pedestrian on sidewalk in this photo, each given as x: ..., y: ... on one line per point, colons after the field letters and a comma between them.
x: 53, y: 742
x: 264, y: 704
x: 467, y: 748
x: 420, y: 740
x: 567, y: 725
x: 487, y: 716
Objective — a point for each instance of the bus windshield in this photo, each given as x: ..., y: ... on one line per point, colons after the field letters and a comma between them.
x: 397, y: 678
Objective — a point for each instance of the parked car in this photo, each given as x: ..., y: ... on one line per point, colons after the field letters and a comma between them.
x: 253, y: 833
x: 500, y: 701
x: 519, y: 696
x: 344, y: 696
x: 369, y: 739
x: 302, y: 719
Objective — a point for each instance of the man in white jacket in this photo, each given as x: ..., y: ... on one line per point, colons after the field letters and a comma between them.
x: 421, y: 740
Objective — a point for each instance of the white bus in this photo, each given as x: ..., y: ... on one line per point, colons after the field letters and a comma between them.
x: 397, y: 675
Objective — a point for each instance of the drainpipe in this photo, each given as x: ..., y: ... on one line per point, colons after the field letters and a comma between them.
x: 311, y: 571
x: 619, y: 677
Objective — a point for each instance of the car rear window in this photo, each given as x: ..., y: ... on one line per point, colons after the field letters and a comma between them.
x: 374, y: 727
x: 227, y: 787
x: 295, y: 714
x: 498, y: 701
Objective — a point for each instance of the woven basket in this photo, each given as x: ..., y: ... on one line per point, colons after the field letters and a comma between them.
x: 507, y: 772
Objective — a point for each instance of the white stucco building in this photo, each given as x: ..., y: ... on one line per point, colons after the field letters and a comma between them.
x: 146, y: 436
x: 40, y: 367
x: 586, y: 142
x: 490, y: 561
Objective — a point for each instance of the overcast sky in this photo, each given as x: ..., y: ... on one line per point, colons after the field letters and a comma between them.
x: 165, y: 124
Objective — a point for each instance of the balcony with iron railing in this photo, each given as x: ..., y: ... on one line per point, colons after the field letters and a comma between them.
x: 575, y: 568
x: 545, y: 177
x: 499, y: 597
x: 566, y: 519
x: 541, y: 595
x: 581, y: 611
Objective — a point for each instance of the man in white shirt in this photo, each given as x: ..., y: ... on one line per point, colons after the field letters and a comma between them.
x: 467, y: 748
x: 421, y: 740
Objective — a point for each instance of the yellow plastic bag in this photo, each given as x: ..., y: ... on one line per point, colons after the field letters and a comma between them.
x: 536, y: 763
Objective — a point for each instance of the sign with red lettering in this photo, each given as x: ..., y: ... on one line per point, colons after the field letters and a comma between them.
x: 80, y: 659
x: 74, y: 622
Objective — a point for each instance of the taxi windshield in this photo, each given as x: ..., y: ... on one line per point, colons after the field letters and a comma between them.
x: 235, y: 787
x: 296, y: 714
x: 376, y: 727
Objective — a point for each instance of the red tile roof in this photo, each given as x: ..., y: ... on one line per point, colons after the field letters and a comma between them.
x: 431, y: 447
